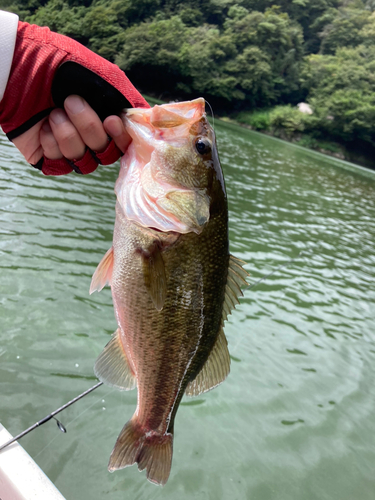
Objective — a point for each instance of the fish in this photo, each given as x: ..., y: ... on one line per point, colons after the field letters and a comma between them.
x: 172, y: 278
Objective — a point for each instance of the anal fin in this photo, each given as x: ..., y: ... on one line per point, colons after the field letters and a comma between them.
x: 214, y: 371
x: 112, y: 366
x: 103, y: 273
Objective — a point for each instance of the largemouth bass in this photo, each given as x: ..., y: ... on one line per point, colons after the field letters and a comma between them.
x: 173, y: 280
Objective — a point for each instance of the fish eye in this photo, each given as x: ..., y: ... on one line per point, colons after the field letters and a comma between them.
x: 203, y: 146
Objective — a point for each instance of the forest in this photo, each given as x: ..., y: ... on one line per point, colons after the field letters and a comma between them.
x: 253, y: 60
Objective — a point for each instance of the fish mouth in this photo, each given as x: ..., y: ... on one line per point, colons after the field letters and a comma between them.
x: 170, y: 115
x: 154, y: 190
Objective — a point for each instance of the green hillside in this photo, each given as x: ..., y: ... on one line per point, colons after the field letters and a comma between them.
x: 242, y: 56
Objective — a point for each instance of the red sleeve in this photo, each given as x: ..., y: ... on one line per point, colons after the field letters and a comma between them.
x: 37, y: 56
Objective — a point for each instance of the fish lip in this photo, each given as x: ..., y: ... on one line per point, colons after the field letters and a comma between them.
x: 199, y: 103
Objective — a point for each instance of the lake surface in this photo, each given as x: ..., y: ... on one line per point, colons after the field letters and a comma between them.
x: 295, y: 418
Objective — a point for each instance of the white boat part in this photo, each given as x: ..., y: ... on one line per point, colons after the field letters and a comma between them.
x: 20, y: 477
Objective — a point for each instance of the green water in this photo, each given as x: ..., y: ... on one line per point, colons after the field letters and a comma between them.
x: 294, y: 420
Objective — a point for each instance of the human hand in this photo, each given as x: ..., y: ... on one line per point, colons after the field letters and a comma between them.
x: 47, y: 68
x: 68, y: 133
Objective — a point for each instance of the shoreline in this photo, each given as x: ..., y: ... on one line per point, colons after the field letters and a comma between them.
x: 338, y: 155
x: 341, y: 154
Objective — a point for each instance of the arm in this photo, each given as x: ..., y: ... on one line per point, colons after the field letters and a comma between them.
x: 46, y: 68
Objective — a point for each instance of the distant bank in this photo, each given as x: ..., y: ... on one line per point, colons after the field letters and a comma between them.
x: 289, y: 124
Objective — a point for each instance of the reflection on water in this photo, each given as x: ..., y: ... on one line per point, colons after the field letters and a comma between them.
x: 295, y: 417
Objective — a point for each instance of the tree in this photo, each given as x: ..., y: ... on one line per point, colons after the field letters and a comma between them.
x: 280, y: 42
x: 342, y: 93
x: 59, y: 16
x: 346, y: 30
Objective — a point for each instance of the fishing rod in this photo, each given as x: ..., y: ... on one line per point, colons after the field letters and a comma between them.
x: 50, y: 416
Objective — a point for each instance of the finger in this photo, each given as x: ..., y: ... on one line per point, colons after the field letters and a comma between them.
x: 49, y: 144
x: 87, y: 122
x: 67, y: 136
x: 114, y: 127
x: 29, y: 144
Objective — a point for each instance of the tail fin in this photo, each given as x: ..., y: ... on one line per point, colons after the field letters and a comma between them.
x: 152, y: 451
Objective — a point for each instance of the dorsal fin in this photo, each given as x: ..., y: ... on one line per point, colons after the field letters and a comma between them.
x: 112, y: 366
x: 216, y: 368
x: 236, y: 279
x: 103, y: 273
x: 236, y: 270
x: 214, y: 371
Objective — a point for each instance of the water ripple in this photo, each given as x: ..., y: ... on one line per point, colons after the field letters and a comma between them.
x: 297, y: 409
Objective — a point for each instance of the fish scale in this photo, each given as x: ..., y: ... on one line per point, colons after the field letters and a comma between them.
x: 172, y: 278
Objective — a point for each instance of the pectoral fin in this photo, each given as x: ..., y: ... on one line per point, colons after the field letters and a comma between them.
x: 112, y: 366
x: 103, y: 273
x: 214, y: 371
x: 154, y: 276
